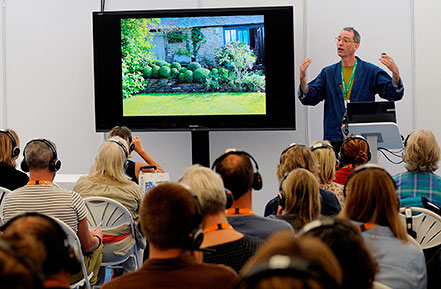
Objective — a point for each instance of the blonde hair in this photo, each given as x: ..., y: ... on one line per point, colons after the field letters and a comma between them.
x: 298, y: 156
x: 209, y: 188
x: 110, y: 161
x: 302, y: 196
x: 6, y: 148
x: 326, y: 159
x: 371, y: 198
x: 310, y: 249
x: 422, y: 152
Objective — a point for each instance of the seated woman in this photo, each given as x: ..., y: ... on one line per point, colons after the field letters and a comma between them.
x: 132, y: 168
x: 324, y: 152
x: 299, y: 156
x: 286, y: 261
x: 299, y: 200
x: 229, y: 247
x: 109, y: 180
x: 347, y: 244
x: 10, y: 177
x: 354, y: 151
x: 372, y: 205
x: 421, y: 155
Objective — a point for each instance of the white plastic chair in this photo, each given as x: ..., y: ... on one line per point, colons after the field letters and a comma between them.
x: 426, y: 224
x: 378, y: 285
x: 105, y: 213
x: 3, y: 193
x: 74, y: 242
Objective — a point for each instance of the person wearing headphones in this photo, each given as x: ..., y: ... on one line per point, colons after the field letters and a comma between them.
x: 372, y: 205
x: 43, y: 196
x: 286, y: 261
x: 227, y: 246
x: 60, y: 259
x: 354, y: 152
x: 10, y: 177
x: 108, y: 179
x: 299, y: 200
x: 170, y: 220
x: 236, y: 170
x: 134, y: 142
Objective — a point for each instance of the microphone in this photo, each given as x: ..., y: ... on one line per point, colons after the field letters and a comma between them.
x: 344, y: 121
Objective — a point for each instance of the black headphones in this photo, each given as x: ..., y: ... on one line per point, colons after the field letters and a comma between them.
x: 129, y: 136
x: 126, y: 153
x: 320, y: 145
x: 281, y: 265
x: 281, y: 197
x: 230, y: 198
x: 54, y: 162
x: 257, y: 178
x: 69, y: 259
x: 15, y: 149
x: 325, y: 223
x: 288, y: 148
x: 196, y: 235
x: 342, y: 154
x: 370, y: 166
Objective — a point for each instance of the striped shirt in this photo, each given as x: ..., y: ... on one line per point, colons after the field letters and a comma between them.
x: 48, y: 199
x: 419, y: 184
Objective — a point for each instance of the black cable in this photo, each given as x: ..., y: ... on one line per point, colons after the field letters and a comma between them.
x: 103, y: 4
x: 398, y: 154
x: 381, y: 150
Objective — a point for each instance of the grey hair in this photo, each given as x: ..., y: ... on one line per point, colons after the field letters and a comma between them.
x: 208, y: 186
x: 38, y: 154
x: 357, y: 36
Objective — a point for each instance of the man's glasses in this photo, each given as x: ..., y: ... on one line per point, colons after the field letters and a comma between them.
x: 345, y: 40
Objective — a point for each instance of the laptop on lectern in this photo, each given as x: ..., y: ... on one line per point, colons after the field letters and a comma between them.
x: 371, y: 111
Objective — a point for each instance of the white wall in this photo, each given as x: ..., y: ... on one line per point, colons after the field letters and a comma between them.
x: 49, y: 74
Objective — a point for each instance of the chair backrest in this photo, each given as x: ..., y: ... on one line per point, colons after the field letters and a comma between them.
x: 106, y: 213
x: 424, y: 223
x: 378, y: 285
x: 3, y: 193
x: 74, y: 241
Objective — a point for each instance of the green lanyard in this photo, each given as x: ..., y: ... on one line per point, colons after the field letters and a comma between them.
x: 346, y: 89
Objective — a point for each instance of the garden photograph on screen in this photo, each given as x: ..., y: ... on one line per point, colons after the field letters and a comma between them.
x: 213, y: 65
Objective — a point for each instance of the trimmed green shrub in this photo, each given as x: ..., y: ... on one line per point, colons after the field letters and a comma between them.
x: 147, y: 72
x: 200, y: 75
x: 164, y: 72
x: 224, y: 75
x: 181, y: 77
x: 193, y: 66
x: 174, y: 72
x: 162, y: 63
x: 188, y: 76
x: 176, y: 65
x: 155, y: 71
x: 183, y: 69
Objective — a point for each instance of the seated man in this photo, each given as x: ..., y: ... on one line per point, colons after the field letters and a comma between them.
x: 59, y: 260
x: 239, y: 177
x: 41, y: 195
x: 170, y: 219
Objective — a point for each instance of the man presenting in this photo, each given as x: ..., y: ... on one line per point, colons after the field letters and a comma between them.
x: 351, y: 79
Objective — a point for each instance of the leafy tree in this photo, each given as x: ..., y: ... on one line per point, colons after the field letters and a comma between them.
x: 136, y: 50
x: 197, y: 39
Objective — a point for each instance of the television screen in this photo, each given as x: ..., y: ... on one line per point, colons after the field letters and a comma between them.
x: 208, y: 69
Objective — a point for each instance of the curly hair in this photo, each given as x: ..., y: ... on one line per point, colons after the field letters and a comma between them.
x: 298, y: 156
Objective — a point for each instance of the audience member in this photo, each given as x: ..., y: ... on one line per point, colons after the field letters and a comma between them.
x: 299, y: 156
x: 227, y: 246
x: 134, y: 142
x: 60, y: 259
x: 109, y: 180
x: 354, y: 151
x: 421, y: 155
x: 286, y: 261
x: 21, y: 258
x: 237, y: 172
x: 10, y: 177
x: 324, y: 152
x: 170, y: 219
x: 347, y: 244
x: 299, y: 198
x: 43, y: 196
x: 372, y: 204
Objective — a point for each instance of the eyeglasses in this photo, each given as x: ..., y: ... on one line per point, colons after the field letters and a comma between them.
x: 345, y: 40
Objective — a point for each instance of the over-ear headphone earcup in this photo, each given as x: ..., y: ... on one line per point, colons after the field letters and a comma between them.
x: 54, y: 165
x: 195, y: 239
x: 15, y: 151
x: 24, y: 166
x: 281, y: 198
x: 257, y: 181
x: 230, y: 199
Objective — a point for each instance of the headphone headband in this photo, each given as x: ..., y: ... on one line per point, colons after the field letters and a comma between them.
x: 342, y: 157
x: 288, y: 148
x: 54, y: 162
x: 126, y: 153
x: 196, y: 235
x: 15, y: 149
x: 320, y: 145
x: 324, y: 223
x: 128, y: 134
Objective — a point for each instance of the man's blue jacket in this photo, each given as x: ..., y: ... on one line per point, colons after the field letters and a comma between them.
x: 369, y: 80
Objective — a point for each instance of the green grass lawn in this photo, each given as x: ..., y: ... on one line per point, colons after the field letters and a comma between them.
x: 154, y: 104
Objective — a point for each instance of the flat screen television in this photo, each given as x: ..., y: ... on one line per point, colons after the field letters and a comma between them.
x: 194, y: 69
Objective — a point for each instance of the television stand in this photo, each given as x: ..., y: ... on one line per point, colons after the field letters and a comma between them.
x: 200, y: 147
